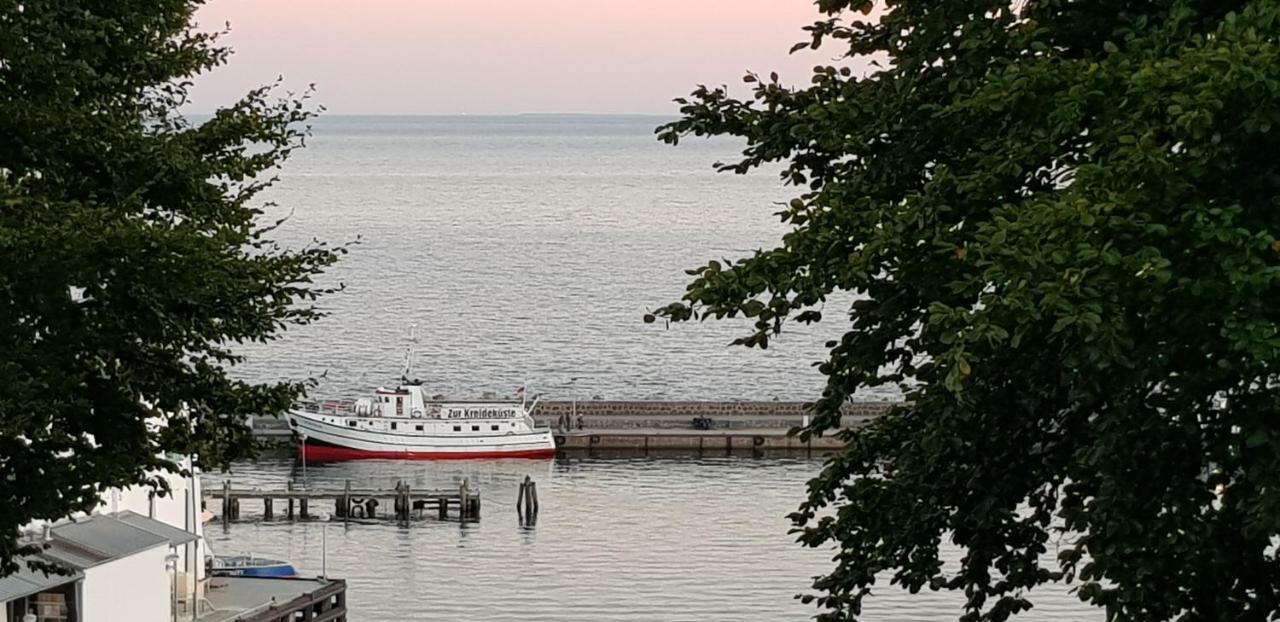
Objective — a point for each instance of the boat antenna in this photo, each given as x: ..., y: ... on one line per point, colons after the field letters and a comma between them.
x: 408, y: 352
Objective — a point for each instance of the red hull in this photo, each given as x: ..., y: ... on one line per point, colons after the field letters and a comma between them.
x: 327, y: 453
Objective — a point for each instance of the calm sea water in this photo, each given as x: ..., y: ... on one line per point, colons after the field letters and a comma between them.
x: 528, y: 248
x: 695, y: 539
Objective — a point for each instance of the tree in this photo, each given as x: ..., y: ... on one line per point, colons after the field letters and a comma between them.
x: 1060, y: 221
x: 132, y: 254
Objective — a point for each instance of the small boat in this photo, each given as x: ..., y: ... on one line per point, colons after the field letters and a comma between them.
x: 403, y: 423
x: 249, y: 566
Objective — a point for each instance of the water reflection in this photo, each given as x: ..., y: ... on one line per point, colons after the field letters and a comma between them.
x: 636, y: 538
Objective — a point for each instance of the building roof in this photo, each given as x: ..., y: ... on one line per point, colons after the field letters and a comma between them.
x: 26, y: 582
x: 72, y: 556
x: 107, y: 535
x: 175, y: 536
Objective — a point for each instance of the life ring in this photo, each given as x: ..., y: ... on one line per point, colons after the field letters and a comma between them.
x: 417, y: 413
x: 758, y: 441
x: 356, y: 510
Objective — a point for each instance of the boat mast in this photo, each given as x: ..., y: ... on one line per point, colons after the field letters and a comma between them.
x: 408, y: 352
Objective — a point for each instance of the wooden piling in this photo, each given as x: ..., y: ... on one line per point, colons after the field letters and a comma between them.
x: 267, y: 514
x: 463, y: 505
x: 226, y: 500
x: 520, y: 503
x: 302, y: 508
x: 527, y: 502
x: 444, y: 508
x: 346, y: 501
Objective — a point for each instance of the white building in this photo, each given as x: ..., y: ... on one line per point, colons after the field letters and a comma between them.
x: 120, y: 570
x: 179, y: 509
x: 133, y: 561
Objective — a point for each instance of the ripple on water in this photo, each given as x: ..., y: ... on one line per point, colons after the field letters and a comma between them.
x: 617, y: 539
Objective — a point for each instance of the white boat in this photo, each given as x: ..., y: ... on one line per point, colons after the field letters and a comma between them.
x: 404, y: 423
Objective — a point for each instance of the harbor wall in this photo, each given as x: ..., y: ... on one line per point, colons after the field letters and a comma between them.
x: 619, y: 414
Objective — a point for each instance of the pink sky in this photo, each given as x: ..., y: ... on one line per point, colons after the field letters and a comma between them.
x: 502, y: 56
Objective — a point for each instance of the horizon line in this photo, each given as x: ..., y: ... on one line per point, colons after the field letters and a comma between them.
x: 473, y: 114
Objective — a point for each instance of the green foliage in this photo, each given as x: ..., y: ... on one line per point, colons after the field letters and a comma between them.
x: 1060, y: 222
x: 132, y: 257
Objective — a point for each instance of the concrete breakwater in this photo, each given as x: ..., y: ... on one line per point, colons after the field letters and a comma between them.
x: 631, y: 414
x: 645, y: 425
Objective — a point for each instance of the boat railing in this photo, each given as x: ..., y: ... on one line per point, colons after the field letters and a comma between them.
x: 337, y: 407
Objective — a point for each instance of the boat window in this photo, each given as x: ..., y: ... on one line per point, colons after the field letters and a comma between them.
x: 419, y: 428
x: 457, y: 428
x: 393, y: 425
x: 494, y: 427
x: 351, y: 423
x: 475, y: 428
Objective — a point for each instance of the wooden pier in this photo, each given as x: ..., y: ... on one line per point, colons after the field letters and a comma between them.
x: 401, y: 503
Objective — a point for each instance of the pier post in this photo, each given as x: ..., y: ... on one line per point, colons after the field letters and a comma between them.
x: 266, y: 509
x: 289, y: 487
x: 302, y: 508
x: 345, y: 503
x: 463, y: 495
x: 402, y: 503
x: 520, y: 500
x: 226, y: 501
x: 408, y: 503
x: 444, y: 508
x: 527, y: 500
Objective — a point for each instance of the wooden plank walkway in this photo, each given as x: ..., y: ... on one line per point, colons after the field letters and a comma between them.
x: 352, y: 503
